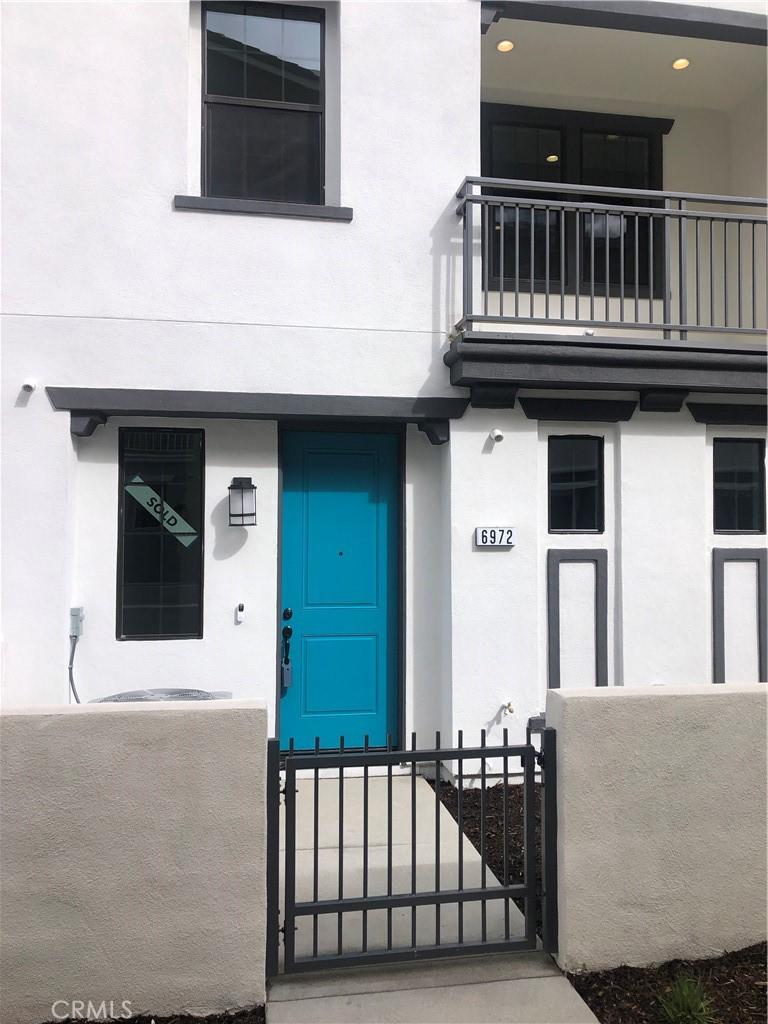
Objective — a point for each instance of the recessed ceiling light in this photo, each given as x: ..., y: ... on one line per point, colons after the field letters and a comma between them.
x: 505, y: 46
x: 552, y: 158
x: 681, y: 63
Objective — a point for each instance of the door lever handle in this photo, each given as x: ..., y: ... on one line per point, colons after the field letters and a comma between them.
x: 285, y: 661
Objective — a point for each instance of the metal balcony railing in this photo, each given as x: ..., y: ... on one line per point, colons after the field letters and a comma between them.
x: 543, y: 253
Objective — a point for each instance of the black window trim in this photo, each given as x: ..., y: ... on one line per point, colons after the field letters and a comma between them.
x: 600, y: 438
x: 122, y: 638
x: 297, y: 12
x: 572, y: 124
x: 760, y: 442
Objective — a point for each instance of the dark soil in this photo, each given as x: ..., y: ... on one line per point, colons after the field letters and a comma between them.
x: 735, y: 984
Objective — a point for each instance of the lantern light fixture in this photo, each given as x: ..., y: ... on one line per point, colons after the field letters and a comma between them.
x: 242, y: 501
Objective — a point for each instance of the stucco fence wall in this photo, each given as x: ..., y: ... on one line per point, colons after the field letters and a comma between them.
x: 661, y: 822
x: 132, y: 858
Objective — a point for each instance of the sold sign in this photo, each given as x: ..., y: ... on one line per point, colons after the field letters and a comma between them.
x: 162, y: 512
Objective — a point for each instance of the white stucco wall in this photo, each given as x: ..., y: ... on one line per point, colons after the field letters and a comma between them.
x: 128, y: 292
x: 661, y: 823
x: 107, y: 286
x: 237, y: 568
x: 659, y: 539
x: 133, y: 858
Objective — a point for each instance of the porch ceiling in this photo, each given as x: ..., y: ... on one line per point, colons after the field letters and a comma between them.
x: 621, y: 65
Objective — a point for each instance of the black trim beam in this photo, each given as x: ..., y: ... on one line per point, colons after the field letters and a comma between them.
x: 723, y: 415
x: 262, y: 207
x: 671, y: 19
x: 551, y: 361
x: 581, y: 410
x: 437, y: 431
x: 512, y: 113
x: 90, y: 406
x: 662, y: 401
x: 719, y: 557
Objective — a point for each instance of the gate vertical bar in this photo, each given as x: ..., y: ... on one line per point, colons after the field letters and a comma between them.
x: 549, y: 839
x: 289, y: 880
x: 437, y: 835
x: 413, y: 841
x: 389, y: 843
x: 340, y: 919
x: 505, y: 830
x: 316, y: 847
x: 529, y: 845
x: 273, y: 855
x: 460, y: 819
x: 483, y: 851
x: 366, y: 742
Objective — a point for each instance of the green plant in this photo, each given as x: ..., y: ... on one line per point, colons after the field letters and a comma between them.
x: 686, y: 1002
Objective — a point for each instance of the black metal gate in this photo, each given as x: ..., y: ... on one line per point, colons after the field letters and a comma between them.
x: 372, y: 871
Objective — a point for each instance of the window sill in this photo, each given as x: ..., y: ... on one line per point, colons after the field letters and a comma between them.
x: 262, y: 207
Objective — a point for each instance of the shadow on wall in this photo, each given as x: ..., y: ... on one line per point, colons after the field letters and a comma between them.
x: 228, y: 540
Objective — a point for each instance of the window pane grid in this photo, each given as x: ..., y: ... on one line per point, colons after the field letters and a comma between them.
x: 575, y: 484
x: 739, y: 485
x: 263, y: 102
x: 161, y: 542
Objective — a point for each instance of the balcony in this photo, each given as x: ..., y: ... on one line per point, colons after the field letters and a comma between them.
x: 574, y: 286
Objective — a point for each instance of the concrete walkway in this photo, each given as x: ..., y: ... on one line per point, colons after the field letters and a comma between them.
x: 520, y: 987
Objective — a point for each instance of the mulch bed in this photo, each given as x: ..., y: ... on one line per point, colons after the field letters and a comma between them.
x: 734, y: 982
x: 255, y: 1016
x: 471, y: 814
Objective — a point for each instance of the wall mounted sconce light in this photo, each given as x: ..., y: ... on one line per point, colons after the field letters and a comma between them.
x: 242, y: 502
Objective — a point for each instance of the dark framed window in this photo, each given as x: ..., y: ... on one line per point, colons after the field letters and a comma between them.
x: 263, y: 99
x: 576, y: 484
x: 739, y: 485
x: 160, y: 534
x: 581, y: 148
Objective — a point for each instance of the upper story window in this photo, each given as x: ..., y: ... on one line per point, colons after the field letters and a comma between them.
x: 576, y: 484
x: 263, y: 102
x: 160, y: 537
x: 739, y: 479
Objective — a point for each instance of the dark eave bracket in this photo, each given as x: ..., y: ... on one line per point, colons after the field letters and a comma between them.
x: 578, y: 410
x: 662, y: 401
x: 727, y: 415
x: 437, y: 431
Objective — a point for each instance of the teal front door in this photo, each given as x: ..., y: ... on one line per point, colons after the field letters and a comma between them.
x: 339, y: 590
